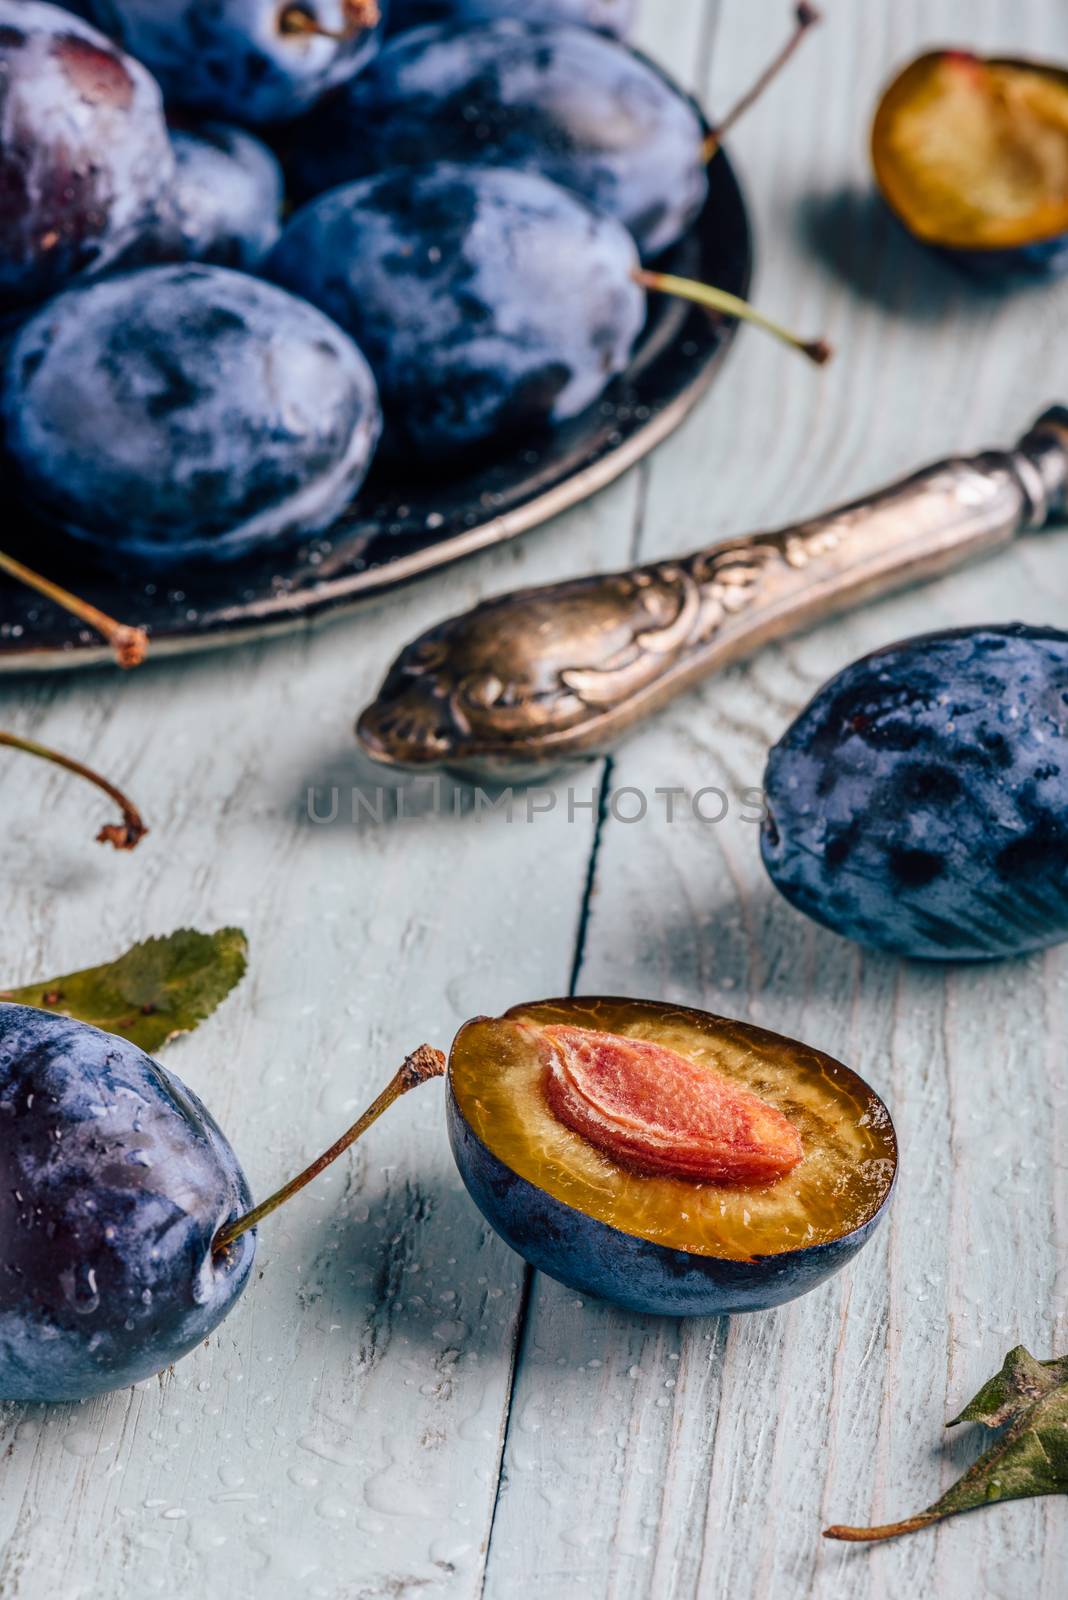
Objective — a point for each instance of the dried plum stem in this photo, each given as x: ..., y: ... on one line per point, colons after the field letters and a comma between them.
x: 297, y: 20
x: 806, y: 17
x: 129, y: 644
x: 422, y: 1065
x: 124, y: 835
x: 703, y: 294
x: 889, y: 1530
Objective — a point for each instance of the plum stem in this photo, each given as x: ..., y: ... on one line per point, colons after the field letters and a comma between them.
x: 422, y: 1065
x: 129, y: 644
x: 297, y: 20
x: 124, y: 835
x: 805, y: 17
x: 704, y: 294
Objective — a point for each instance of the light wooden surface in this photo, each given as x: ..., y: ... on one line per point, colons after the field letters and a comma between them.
x: 396, y: 1409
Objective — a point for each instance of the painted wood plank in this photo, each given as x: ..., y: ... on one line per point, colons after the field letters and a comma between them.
x: 702, y: 1460
x: 348, y: 1439
x: 340, y: 1433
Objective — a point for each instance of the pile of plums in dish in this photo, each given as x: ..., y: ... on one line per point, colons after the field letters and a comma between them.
x: 661, y: 1158
x: 185, y: 379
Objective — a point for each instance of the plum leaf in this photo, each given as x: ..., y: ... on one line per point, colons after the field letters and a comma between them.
x: 156, y: 990
x: 1029, y: 1399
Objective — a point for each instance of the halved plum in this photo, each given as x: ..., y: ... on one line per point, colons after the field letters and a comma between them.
x: 586, y: 1136
x: 972, y: 156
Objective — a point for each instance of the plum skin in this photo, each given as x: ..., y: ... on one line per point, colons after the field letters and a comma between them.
x: 595, y: 1258
x: 231, y: 59
x: 608, y: 16
x: 116, y: 1180
x: 488, y: 301
x: 187, y: 412
x: 85, y: 161
x: 555, y: 99
x: 227, y: 195
x: 919, y: 804
x: 1045, y: 259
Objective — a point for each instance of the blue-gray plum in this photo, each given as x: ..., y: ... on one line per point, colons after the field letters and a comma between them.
x: 227, y: 196
x: 246, y: 60
x: 488, y: 301
x: 85, y: 161
x: 607, y: 16
x: 554, y: 99
x: 115, y: 1183
x: 919, y: 804
x: 185, y: 412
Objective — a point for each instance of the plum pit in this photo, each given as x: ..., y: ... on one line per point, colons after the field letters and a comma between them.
x: 656, y: 1111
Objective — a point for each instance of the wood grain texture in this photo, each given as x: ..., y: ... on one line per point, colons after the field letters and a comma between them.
x: 397, y: 1409
x: 702, y: 1461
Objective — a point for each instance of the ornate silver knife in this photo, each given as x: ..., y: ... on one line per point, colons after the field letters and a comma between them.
x: 532, y: 680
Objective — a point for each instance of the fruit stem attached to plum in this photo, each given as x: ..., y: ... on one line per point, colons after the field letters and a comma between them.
x: 703, y: 294
x: 129, y: 644
x: 124, y: 835
x: 805, y: 17
x: 422, y: 1065
x: 296, y: 20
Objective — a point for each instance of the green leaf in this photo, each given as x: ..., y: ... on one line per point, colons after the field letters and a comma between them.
x: 1021, y: 1381
x: 158, y: 989
x: 1029, y: 1399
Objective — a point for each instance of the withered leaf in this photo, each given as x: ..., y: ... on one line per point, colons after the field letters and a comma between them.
x: 158, y: 989
x: 1029, y: 1399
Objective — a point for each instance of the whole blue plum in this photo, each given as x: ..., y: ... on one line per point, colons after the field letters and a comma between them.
x: 115, y: 1182
x: 247, y: 60
x: 562, y: 101
x: 85, y: 162
x: 919, y: 804
x: 186, y: 412
x: 488, y: 301
x: 227, y: 197
x: 607, y: 16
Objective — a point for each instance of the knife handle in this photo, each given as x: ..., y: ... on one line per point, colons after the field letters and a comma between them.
x: 532, y: 680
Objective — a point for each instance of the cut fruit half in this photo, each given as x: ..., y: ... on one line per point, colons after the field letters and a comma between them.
x: 498, y: 1081
x: 596, y: 1135
x: 972, y: 154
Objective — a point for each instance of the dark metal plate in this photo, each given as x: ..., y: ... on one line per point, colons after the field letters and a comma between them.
x: 400, y: 528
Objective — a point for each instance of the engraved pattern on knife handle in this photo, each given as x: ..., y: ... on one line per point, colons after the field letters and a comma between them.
x: 540, y: 676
